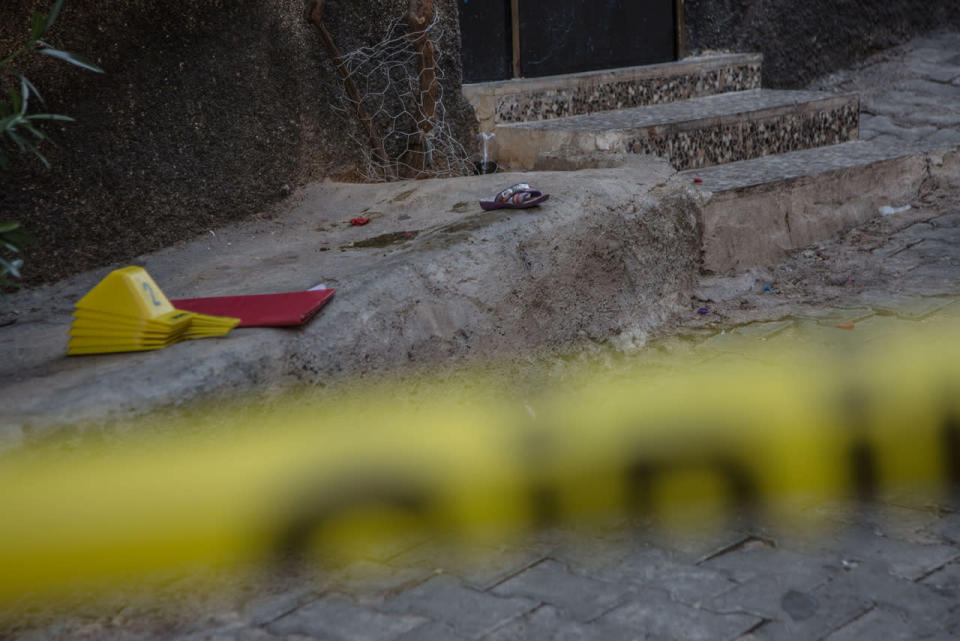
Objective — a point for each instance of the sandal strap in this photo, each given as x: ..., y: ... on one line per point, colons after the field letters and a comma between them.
x: 523, y: 196
x: 511, y: 191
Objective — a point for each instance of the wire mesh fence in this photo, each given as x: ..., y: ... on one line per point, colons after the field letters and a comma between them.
x: 416, y: 138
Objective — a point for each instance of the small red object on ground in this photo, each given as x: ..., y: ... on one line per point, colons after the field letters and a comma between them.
x: 846, y: 325
x: 359, y: 222
x: 698, y: 180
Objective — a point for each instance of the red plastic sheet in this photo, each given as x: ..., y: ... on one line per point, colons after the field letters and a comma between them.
x: 261, y: 310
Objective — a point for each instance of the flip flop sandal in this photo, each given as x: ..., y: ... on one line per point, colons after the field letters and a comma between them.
x: 519, y: 196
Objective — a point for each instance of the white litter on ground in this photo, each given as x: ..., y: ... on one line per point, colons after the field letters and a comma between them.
x: 887, y: 210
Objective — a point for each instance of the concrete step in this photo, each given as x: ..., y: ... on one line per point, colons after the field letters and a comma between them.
x: 694, y: 133
x: 535, y: 99
x: 761, y: 209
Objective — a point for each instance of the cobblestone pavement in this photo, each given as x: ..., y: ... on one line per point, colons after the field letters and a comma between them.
x: 882, y: 571
x: 910, y: 93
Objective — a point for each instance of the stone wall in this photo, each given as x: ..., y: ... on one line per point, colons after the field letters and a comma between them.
x: 801, y: 40
x: 210, y: 111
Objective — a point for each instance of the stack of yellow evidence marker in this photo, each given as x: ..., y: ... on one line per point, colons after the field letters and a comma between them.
x: 127, y: 312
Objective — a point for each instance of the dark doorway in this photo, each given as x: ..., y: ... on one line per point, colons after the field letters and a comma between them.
x: 563, y: 36
x: 487, y: 40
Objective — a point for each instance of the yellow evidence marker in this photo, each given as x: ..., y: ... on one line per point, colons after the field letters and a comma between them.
x: 127, y: 312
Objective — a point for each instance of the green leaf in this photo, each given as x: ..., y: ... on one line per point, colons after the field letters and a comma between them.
x: 25, y: 145
x: 11, y: 267
x: 6, y: 228
x: 16, y: 101
x: 33, y: 88
x: 18, y: 237
x: 50, y: 117
x: 36, y: 152
x: 72, y: 58
x: 39, y: 25
x: 9, y: 123
x: 15, y: 137
x: 54, y: 13
x: 25, y: 93
x: 39, y: 135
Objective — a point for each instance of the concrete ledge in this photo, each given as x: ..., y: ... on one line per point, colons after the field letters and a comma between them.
x: 609, y: 257
x: 761, y: 209
x: 534, y: 99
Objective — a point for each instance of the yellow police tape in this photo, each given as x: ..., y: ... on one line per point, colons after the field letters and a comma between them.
x: 298, y: 477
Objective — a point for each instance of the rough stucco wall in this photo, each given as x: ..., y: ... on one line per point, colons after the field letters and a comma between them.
x: 801, y: 40
x: 211, y: 111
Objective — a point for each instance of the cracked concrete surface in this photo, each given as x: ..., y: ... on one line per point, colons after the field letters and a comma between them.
x: 466, y: 283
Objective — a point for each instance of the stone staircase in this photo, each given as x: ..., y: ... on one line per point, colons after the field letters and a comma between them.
x: 693, y: 133
x: 783, y: 169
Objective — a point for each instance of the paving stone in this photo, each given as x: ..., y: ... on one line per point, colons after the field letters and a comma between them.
x: 831, y: 613
x: 934, y: 280
x: 684, y: 582
x: 910, y: 526
x: 386, y: 550
x: 948, y: 526
x: 796, y: 571
x: 655, y: 615
x: 240, y: 634
x: 579, y: 597
x: 947, y: 220
x: 263, y: 610
x: 432, y: 632
x: 907, y: 106
x: 548, y: 623
x: 469, y: 612
x: 901, y: 517
x: 591, y: 551
x: 370, y: 582
x: 337, y: 618
x: 905, y: 559
x: 478, y: 567
x: 855, y: 544
x: 874, y: 126
x: 934, y: 250
x: 932, y: 88
x: 696, y: 546
x: 906, y: 307
x: 946, y: 579
x: 771, y: 597
x: 834, y: 316
x: 881, y: 625
x: 918, y: 231
x: 842, y: 317
x: 943, y: 138
x: 942, y: 72
x: 933, y: 49
x: 927, y: 610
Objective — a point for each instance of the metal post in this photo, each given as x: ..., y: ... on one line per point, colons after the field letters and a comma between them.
x: 515, y: 27
x: 680, y: 17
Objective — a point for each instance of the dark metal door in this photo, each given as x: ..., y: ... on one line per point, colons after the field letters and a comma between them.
x: 487, y: 40
x: 563, y: 36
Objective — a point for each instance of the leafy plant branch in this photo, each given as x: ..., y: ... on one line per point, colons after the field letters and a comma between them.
x: 20, y: 130
x: 18, y: 127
